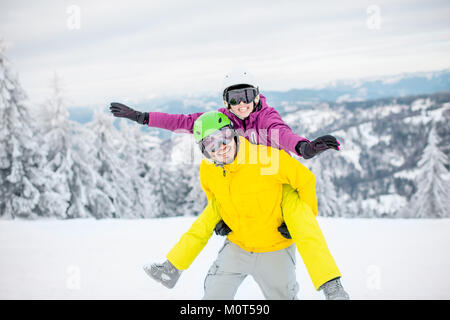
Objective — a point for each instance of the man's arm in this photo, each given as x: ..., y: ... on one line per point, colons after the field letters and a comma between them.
x: 194, y: 240
x: 186, y: 250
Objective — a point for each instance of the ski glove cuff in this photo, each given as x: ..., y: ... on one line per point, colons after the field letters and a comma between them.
x: 122, y: 111
x: 309, y: 149
x: 284, y: 231
x: 222, y: 229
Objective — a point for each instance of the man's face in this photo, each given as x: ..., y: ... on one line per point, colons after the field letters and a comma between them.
x: 221, y: 145
x: 225, y: 154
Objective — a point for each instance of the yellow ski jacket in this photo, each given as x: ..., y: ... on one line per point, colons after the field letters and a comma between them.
x: 247, y: 195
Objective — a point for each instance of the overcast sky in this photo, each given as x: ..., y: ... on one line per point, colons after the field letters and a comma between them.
x: 132, y: 50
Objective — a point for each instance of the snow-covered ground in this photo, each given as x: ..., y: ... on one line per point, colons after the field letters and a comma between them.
x: 102, y: 259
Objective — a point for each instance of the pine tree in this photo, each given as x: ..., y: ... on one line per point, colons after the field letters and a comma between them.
x: 432, y: 198
x: 170, y: 179
x: 53, y: 119
x: 108, y: 199
x: 186, y: 156
x: 328, y: 203
x: 196, y: 199
x: 170, y: 190
x: 113, y: 196
x: 23, y: 174
x: 140, y: 151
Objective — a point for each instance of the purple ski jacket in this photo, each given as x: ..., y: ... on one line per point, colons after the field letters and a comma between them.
x: 262, y: 126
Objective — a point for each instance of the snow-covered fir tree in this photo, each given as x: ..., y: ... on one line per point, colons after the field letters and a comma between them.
x: 141, y: 152
x: 432, y: 198
x: 327, y: 200
x: 114, y: 195
x: 170, y: 179
x: 23, y: 174
x: 83, y: 179
x: 170, y: 190
x: 186, y: 155
x: 196, y: 199
x: 53, y: 119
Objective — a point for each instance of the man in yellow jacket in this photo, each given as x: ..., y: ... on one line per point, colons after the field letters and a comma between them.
x: 253, y: 189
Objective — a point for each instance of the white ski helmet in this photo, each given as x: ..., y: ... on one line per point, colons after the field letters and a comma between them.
x: 237, y: 79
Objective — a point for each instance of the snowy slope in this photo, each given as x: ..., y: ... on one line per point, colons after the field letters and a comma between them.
x: 102, y: 259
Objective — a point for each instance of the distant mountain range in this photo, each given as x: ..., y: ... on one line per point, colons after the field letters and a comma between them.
x: 400, y: 85
x: 349, y: 91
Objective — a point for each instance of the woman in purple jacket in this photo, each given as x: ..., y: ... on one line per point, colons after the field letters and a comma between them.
x: 251, y: 116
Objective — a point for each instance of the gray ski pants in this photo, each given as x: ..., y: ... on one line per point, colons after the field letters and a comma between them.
x: 274, y: 272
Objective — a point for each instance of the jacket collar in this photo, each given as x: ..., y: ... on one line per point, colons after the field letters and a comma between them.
x: 240, y: 158
x: 263, y: 105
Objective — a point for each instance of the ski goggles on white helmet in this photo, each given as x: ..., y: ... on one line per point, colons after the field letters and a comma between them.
x: 235, y: 96
x: 213, y: 142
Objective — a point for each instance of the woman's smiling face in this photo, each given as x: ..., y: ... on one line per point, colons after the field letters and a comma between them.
x: 242, y: 110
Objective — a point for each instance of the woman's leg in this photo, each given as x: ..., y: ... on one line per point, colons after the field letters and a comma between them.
x: 306, y: 233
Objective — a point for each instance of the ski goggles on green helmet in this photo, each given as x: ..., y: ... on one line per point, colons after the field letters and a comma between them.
x: 213, y: 142
x: 235, y: 96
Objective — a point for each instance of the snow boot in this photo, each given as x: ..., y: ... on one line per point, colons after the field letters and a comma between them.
x: 333, y: 290
x: 164, y: 272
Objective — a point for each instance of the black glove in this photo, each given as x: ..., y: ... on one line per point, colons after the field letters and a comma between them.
x: 309, y: 149
x: 122, y: 111
x: 222, y: 229
x: 284, y: 231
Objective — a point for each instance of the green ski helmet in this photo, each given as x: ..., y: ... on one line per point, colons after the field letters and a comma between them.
x: 207, y: 124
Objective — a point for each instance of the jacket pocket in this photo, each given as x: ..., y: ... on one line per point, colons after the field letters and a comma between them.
x: 225, y: 244
x: 211, y: 273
